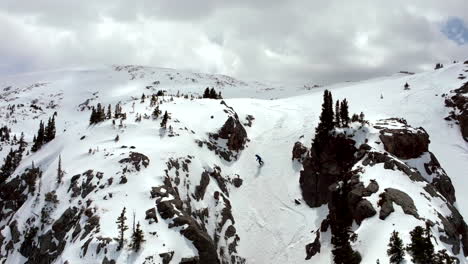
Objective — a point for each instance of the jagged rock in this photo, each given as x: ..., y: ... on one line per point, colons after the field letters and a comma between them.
x: 15, y: 233
x: 107, y: 261
x: 166, y: 257
x: 459, y: 102
x: 390, y: 196
x: 440, y: 180
x: 136, y: 160
x: 363, y: 210
x: 201, y: 188
x: 313, y: 248
x: 298, y: 151
x: 404, y: 143
x: 173, y: 209
x: 235, y: 133
x: 151, y: 215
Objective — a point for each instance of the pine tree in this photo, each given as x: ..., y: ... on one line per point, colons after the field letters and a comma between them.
x: 395, y: 250
x: 109, y: 112
x: 406, y: 86
x: 59, y: 170
x: 443, y: 258
x: 137, y: 238
x: 143, y: 97
x: 337, y: 114
x: 206, y: 94
x: 361, y: 117
x: 122, y: 228
x: 92, y: 118
x: 22, y: 143
x: 164, y: 120
x: 326, y: 123
x: 429, y: 248
x: 39, y: 141
x: 156, y: 112
x: 344, y: 113
x: 50, y: 130
x: 213, y: 94
x: 417, y: 247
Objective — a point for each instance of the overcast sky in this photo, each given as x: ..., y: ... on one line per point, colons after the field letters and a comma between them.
x: 306, y: 40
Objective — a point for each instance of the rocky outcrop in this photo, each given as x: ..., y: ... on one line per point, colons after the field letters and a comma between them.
x: 401, y: 140
x: 440, y: 180
x: 459, y: 102
x: 134, y: 161
x: 402, y: 199
x: 323, y: 168
x: 313, y: 248
x: 299, y: 151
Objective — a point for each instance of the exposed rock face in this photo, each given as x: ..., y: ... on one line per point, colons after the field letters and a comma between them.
x: 441, y: 181
x: 459, y: 102
x: 232, y: 131
x: 173, y: 209
x: 313, y: 248
x: 174, y: 201
x: 391, y: 196
x: 135, y: 160
x: 235, y: 134
x: 298, y: 151
x: 323, y: 168
x: 404, y: 142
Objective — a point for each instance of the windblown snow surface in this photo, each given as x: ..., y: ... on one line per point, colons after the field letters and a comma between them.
x: 271, y: 227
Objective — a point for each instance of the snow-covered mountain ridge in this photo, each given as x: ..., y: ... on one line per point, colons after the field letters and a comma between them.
x: 195, y: 187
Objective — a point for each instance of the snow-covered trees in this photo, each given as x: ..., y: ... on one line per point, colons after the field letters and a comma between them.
x: 44, y: 134
x: 164, y: 120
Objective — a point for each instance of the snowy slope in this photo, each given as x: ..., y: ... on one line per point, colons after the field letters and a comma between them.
x: 271, y: 227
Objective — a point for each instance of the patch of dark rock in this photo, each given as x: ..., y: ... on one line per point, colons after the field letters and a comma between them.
x: 191, y: 260
x: 151, y: 215
x: 313, y: 248
x: 201, y: 188
x: 390, y: 196
x: 136, y: 160
x: 298, y: 151
x: 405, y: 143
x: 166, y: 257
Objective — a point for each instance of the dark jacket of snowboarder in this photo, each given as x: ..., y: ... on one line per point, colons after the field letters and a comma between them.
x: 260, y: 161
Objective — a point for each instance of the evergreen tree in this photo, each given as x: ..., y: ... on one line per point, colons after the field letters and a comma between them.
x: 213, y: 94
x: 156, y: 112
x: 418, y: 248
x: 443, y: 258
x: 22, y: 143
x: 337, y: 114
x: 122, y: 228
x: 59, y: 170
x: 406, y: 86
x: 326, y: 122
x: 10, y: 163
x: 92, y: 118
x: 396, y: 250
x: 219, y: 95
x: 429, y: 248
x: 206, y: 94
x: 109, y: 112
x: 50, y: 130
x: 164, y: 120
x: 39, y: 139
x: 137, y: 238
x: 344, y: 113
x: 361, y: 117
x: 143, y: 97
x: 355, y: 118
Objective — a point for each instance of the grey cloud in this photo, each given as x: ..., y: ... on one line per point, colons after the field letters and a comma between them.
x: 311, y: 41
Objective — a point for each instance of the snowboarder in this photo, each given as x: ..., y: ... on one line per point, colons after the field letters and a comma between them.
x: 260, y: 161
